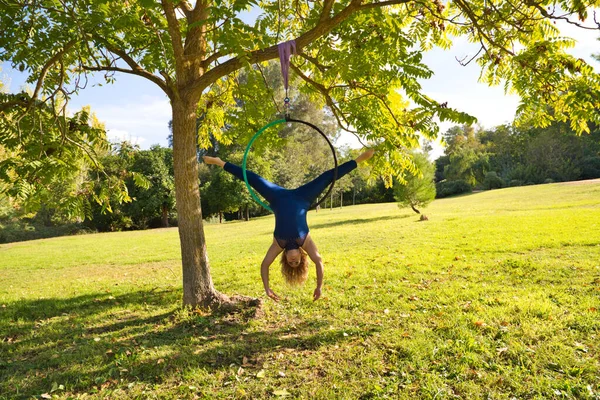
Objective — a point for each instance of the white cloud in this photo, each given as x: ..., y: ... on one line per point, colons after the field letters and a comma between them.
x: 117, y: 136
x: 144, y: 122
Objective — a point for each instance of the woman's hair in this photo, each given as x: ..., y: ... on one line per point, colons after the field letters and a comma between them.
x: 295, y: 276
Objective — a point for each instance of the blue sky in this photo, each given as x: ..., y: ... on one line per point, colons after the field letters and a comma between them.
x: 135, y: 109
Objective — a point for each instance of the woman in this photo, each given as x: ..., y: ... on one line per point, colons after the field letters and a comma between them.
x: 291, y: 230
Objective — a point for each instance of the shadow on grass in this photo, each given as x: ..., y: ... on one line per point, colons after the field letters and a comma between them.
x: 94, y: 342
x: 359, y: 221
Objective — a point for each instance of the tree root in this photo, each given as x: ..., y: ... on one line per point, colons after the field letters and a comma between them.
x: 223, y: 304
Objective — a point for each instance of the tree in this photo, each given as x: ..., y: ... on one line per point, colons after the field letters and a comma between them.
x: 151, y: 205
x: 418, y: 190
x: 46, y: 158
x: 362, y: 58
x: 465, y: 159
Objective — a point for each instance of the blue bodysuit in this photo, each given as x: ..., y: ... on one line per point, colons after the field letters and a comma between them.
x: 290, y: 205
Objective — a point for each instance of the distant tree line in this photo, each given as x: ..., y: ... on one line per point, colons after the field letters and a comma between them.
x: 474, y: 158
x: 507, y: 156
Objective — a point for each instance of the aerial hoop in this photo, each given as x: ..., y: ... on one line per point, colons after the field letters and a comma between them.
x: 282, y: 121
x: 286, y: 49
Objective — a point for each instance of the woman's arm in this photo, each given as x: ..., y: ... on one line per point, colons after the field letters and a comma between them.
x: 311, y: 249
x: 272, y: 253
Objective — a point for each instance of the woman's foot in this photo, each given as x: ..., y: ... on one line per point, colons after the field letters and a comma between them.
x: 213, y: 161
x: 365, y: 156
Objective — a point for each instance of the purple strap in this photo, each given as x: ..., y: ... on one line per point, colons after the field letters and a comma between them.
x: 285, y: 50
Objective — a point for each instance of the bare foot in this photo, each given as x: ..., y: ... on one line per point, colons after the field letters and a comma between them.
x: 213, y: 160
x: 365, y: 156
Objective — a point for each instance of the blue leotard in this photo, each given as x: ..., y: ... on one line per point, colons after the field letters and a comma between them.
x: 290, y: 205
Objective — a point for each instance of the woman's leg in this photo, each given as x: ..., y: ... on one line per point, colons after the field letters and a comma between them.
x: 265, y: 188
x: 312, y: 189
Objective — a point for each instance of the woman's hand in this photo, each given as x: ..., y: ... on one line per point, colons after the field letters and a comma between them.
x: 272, y: 295
x: 317, y: 294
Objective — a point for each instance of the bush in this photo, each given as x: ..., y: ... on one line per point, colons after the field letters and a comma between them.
x: 492, y: 181
x: 452, y: 188
x: 19, y: 230
x: 549, y: 180
x: 516, y: 182
x: 590, y: 167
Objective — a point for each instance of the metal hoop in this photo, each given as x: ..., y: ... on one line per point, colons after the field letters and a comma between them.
x: 281, y: 121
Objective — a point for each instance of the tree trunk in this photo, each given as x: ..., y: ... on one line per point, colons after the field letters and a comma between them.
x: 341, y: 199
x: 414, y: 209
x: 354, y: 195
x: 220, y: 217
x: 247, y: 213
x: 198, y: 288
x: 165, y: 216
x: 331, y: 201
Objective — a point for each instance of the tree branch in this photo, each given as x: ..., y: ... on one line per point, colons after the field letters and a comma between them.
x: 185, y: 7
x: 383, y: 4
x: 144, y: 74
x: 565, y: 17
x: 465, y: 7
x: 337, y: 113
x: 314, y: 61
x: 173, y: 26
x: 47, y: 66
x: 269, y: 53
x: 214, y: 57
x: 327, y: 4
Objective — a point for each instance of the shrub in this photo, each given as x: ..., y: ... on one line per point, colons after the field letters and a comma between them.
x: 18, y: 230
x: 492, y: 181
x: 516, y: 182
x: 549, y: 180
x: 452, y: 188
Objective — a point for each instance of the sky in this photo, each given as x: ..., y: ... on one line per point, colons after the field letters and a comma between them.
x: 136, y: 110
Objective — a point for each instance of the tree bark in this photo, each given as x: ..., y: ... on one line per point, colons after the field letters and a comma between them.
x: 165, y: 216
x: 414, y: 209
x: 198, y: 288
x: 247, y: 213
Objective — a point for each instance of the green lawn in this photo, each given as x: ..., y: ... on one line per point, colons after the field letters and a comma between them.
x: 496, y: 296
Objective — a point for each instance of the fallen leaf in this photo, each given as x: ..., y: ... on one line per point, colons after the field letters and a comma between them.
x: 581, y: 347
x: 405, y: 315
x: 160, y: 361
x: 281, y: 374
x: 282, y: 393
x: 46, y: 396
x: 261, y: 374
x: 592, y: 309
x: 386, y: 311
x: 479, y: 324
x: 240, y: 371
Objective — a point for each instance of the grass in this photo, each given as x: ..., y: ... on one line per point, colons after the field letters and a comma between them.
x: 496, y: 296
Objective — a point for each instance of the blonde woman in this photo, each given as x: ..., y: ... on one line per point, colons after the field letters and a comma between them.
x: 291, y: 234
